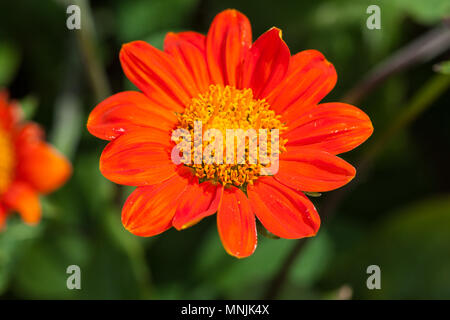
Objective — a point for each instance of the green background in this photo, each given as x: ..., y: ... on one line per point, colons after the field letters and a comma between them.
x: 397, y: 216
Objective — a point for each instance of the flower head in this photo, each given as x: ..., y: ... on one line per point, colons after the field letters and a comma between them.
x: 28, y: 165
x: 224, y: 81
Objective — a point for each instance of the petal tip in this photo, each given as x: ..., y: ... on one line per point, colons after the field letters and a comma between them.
x: 278, y: 30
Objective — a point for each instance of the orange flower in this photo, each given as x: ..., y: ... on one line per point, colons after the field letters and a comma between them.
x: 28, y: 165
x: 226, y: 81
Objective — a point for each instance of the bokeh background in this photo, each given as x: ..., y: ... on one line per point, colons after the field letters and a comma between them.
x: 396, y: 214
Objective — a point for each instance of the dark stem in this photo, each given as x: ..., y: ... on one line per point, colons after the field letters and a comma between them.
x: 281, y: 276
x: 86, y: 39
x: 421, y: 50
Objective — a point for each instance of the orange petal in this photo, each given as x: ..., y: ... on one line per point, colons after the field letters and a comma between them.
x: 282, y: 211
x: 197, y: 202
x: 156, y: 74
x: 332, y: 127
x: 125, y: 111
x: 197, y: 39
x: 149, y: 210
x: 192, y: 60
x: 28, y: 133
x: 236, y: 223
x: 313, y: 170
x: 23, y: 199
x: 229, y: 39
x: 137, y: 158
x: 10, y: 112
x: 266, y: 63
x: 40, y: 164
x: 310, y: 78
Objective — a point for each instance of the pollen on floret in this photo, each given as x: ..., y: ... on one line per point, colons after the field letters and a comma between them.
x: 223, y: 108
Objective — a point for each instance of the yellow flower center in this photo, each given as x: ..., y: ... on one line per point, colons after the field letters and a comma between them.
x: 6, y: 160
x: 242, y: 122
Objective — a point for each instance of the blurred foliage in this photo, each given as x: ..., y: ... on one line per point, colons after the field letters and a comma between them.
x: 139, y: 19
x: 430, y: 11
x: 397, y: 218
x: 410, y: 246
x: 443, y: 67
x: 9, y: 61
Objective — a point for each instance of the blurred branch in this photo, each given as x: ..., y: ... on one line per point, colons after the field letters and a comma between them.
x: 436, y: 86
x: 423, y: 49
x: 87, y: 42
x: 68, y: 115
x: 424, y: 98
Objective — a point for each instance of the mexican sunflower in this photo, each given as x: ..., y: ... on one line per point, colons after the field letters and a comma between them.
x: 226, y: 81
x: 28, y: 165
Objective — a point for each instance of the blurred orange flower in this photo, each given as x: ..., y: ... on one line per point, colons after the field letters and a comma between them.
x: 226, y: 81
x: 28, y: 165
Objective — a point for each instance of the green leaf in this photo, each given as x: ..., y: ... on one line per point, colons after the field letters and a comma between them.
x: 29, y: 106
x: 443, y: 67
x: 132, y: 247
x: 9, y: 63
x: 13, y: 241
x: 110, y: 274
x: 427, y: 12
x: 42, y: 273
x: 97, y: 191
x: 313, y: 261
